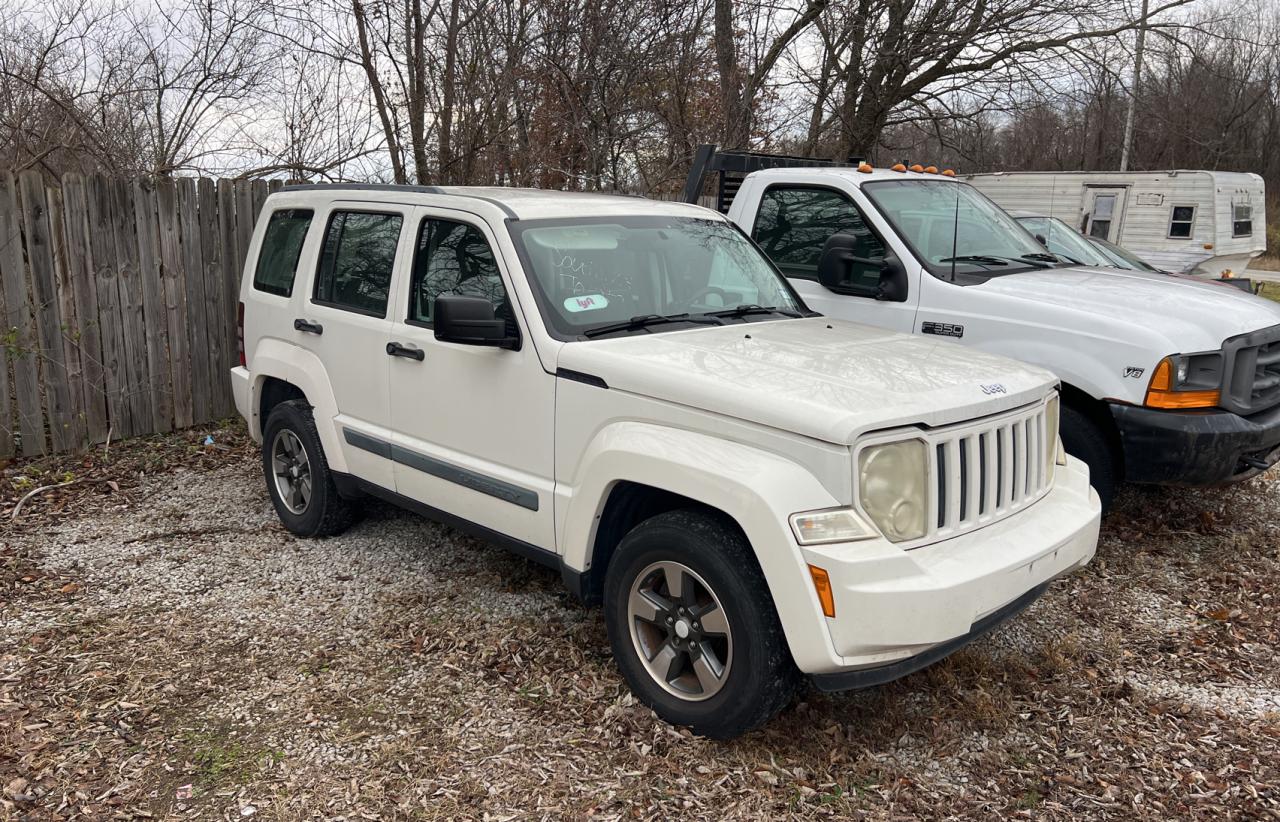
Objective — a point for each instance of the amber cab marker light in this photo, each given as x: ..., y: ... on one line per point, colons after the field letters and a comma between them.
x: 822, y: 585
x: 1160, y: 393
x: 917, y: 168
x: 865, y: 168
x: 948, y: 173
x: 930, y: 169
x: 1208, y: 246
x: 898, y: 167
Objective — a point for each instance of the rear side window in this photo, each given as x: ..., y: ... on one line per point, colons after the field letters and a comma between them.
x: 356, y: 261
x: 454, y: 258
x: 281, y: 247
x: 793, y: 225
x: 1181, y: 218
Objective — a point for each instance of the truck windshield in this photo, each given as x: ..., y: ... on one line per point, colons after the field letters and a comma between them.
x: 1059, y: 238
x: 647, y: 274
x: 952, y: 228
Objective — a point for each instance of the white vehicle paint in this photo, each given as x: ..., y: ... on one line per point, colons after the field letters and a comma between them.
x: 571, y: 444
x: 1105, y: 332
x: 1195, y: 222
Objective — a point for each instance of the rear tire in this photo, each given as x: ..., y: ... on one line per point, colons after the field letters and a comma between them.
x: 298, y: 476
x: 706, y: 651
x: 1085, y: 440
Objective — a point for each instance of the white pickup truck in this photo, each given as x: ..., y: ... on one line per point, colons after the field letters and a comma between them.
x: 1165, y: 379
x: 753, y: 491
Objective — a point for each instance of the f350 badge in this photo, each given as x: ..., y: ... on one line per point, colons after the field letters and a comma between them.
x: 993, y: 388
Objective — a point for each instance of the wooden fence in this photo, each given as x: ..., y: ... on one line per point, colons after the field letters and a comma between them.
x: 118, y: 305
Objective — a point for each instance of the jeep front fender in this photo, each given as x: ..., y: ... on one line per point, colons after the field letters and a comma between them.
x: 758, y: 489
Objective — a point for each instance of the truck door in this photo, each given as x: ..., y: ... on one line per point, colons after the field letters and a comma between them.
x: 473, y: 424
x: 1103, y: 212
x: 792, y: 224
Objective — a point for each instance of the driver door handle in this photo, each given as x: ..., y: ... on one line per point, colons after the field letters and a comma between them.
x: 396, y: 349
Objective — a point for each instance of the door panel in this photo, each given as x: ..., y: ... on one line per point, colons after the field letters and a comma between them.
x: 1103, y: 212
x: 361, y: 258
x: 473, y: 424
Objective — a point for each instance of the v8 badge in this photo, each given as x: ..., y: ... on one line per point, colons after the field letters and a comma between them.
x: 1134, y: 372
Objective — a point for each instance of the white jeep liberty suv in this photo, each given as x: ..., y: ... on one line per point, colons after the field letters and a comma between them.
x: 629, y: 392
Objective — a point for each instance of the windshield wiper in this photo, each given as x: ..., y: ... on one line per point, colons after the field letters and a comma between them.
x: 1040, y: 260
x: 750, y: 308
x: 984, y: 259
x: 646, y: 320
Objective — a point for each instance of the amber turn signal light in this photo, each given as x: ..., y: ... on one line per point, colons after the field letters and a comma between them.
x: 1161, y: 394
x: 822, y: 585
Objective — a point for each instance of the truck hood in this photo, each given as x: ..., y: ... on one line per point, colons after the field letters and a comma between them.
x: 1168, y: 303
x: 822, y: 378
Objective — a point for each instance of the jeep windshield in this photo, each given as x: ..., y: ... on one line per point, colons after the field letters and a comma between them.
x: 955, y: 231
x: 608, y: 276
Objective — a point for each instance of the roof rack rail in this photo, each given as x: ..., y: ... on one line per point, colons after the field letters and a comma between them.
x: 732, y: 166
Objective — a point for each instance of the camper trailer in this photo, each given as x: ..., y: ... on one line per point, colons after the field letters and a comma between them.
x: 1209, y: 223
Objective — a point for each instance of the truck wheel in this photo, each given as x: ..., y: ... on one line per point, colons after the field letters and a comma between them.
x: 693, y: 628
x: 298, y: 476
x: 1086, y: 441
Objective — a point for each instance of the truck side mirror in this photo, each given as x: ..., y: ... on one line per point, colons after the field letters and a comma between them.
x: 836, y: 260
x: 893, y: 280
x: 470, y: 321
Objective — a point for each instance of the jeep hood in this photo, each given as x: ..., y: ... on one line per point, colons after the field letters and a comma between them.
x: 1183, y: 308
x: 822, y: 378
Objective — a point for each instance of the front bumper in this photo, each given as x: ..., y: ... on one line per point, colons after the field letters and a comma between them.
x: 1195, y: 447
x: 893, y: 605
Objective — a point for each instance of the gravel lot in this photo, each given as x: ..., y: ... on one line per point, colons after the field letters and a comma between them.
x: 166, y: 649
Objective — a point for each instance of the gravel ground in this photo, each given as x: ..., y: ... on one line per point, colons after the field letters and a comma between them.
x: 167, y: 650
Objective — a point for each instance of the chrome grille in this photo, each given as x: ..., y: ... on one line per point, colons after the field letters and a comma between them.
x: 986, y: 471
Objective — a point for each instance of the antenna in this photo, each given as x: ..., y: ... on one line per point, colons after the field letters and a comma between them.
x: 955, y: 233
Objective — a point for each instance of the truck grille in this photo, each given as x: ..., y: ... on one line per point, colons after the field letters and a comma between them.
x: 1252, y: 381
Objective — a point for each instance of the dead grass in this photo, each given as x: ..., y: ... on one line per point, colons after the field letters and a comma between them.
x: 191, y: 664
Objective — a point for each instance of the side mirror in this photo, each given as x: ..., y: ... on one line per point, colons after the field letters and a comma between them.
x: 893, y: 280
x: 470, y: 321
x: 836, y: 260
x: 1042, y: 241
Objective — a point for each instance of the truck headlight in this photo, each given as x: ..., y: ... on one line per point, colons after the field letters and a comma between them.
x: 892, y: 480
x: 1187, y: 381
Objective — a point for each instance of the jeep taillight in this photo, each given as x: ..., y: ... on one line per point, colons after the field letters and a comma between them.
x: 240, y: 333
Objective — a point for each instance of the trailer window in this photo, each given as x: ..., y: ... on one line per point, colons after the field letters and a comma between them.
x: 1181, y: 218
x: 1241, y: 220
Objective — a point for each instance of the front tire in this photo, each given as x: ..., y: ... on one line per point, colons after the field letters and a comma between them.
x: 693, y: 627
x: 1085, y: 440
x: 298, y: 476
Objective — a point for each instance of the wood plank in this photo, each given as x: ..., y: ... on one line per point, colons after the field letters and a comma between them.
x: 231, y: 264
x: 102, y: 250
x: 245, y: 215
x: 147, y: 232
x: 20, y: 332
x: 221, y: 404
x: 129, y: 278
x: 85, y: 330
x: 67, y: 314
x: 175, y: 296
x: 46, y: 310
x: 8, y: 427
x: 193, y: 280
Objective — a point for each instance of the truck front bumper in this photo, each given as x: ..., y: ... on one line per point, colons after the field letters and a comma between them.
x: 1195, y: 447
x: 898, y: 611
